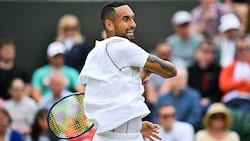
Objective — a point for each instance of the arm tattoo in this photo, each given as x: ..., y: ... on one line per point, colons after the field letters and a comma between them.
x: 164, y: 64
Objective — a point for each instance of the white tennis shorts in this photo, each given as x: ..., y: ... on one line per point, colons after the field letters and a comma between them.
x: 113, y: 136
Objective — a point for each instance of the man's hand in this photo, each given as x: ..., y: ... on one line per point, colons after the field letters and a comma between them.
x: 150, y: 130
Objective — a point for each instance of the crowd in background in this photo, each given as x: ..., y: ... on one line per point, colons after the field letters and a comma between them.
x: 208, y: 100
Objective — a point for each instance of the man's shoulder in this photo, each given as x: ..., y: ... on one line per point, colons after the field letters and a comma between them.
x: 192, y: 92
x: 183, y: 125
x: 42, y: 69
x: 68, y: 69
x: 172, y: 38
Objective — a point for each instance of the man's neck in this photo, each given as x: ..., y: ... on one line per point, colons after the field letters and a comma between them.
x: 6, y: 65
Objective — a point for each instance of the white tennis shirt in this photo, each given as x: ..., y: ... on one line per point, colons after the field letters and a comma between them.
x: 114, y: 88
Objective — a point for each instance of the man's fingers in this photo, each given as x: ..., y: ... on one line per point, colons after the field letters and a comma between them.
x: 156, y: 136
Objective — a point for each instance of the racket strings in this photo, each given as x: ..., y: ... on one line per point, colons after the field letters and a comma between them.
x: 67, y: 119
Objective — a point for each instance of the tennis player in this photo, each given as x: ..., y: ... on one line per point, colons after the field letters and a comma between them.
x: 113, y: 75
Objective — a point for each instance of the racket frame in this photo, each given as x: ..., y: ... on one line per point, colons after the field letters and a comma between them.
x: 76, y: 93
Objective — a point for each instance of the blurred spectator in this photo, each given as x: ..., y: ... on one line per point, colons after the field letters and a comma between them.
x: 8, y: 68
x: 40, y: 130
x: 234, y: 79
x: 6, y: 133
x: 240, y: 7
x: 217, y: 122
x: 204, y: 74
x: 21, y: 108
x: 229, y: 28
x: 57, y: 86
x: 40, y: 78
x: 184, y: 43
x: 69, y: 33
x: 185, y: 99
x: 206, y: 17
x: 153, y: 87
x: 171, y: 129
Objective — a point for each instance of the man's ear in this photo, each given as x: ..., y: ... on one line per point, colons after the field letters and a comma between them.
x: 109, y: 25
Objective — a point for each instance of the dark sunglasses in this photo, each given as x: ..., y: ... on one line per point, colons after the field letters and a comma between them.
x: 218, y: 116
x: 243, y: 48
x: 166, y: 116
x: 70, y: 28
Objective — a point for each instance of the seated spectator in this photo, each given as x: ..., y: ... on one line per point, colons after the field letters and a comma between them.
x: 8, y: 68
x: 6, y: 133
x: 183, y: 43
x: 69, y: 34
x: 185, y: 99
x: 57, y: 86
x: 204, y: 74
x: 234, y: 79
x: 229, y: 28
x: 21, y: 108
x: 153, y: 87
x: 171, y: 129
x: 217, y: 122
x: 40, y: 130
x: 40, y: 78
x: 240, y: 7
x: 206, y: 17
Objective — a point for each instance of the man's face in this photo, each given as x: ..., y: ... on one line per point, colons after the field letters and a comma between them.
x: 7, y: 52
x: 57, y: 60
x: 17, y: 89
x: 124, y: 24
x: 242, y: 50
x: 166, y: 117
x: 206, y: 56
x: 183, y: 29
x: 163, y: 51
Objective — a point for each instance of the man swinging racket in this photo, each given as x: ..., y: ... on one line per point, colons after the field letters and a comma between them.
x: 113, y: 75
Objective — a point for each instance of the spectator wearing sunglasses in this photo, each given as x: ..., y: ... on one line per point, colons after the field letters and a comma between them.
x: 77, y: 48
x: 216, y: 122
x: 234, y: 79
x: 171, y: 129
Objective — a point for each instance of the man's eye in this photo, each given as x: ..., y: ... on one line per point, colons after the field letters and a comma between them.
x: 125, y: 19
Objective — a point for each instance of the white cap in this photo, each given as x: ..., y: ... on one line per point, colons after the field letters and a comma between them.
x: 229, y: 21
x: 181, y: 17
x: 55, y: 48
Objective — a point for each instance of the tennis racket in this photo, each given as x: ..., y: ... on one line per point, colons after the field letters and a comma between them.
x: 66, y: 118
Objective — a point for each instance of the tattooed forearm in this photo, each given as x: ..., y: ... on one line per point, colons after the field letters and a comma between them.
x: 165, y: 65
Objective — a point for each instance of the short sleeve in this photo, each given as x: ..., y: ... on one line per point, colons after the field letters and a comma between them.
x: 126, y: 53
x: 35, y: 82
x: 73, y: 77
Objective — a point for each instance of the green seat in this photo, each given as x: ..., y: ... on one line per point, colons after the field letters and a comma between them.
x: 245, y: 127
x: 237, y: 119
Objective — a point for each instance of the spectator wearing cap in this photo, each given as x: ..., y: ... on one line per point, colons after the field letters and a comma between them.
x: 217, y: 122
x: 206, y: 17
x: 183, y: 42
x: 40, y: 78
x: 229, y: 27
